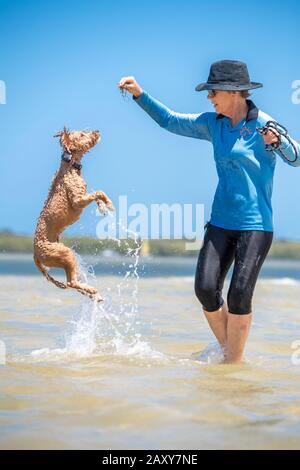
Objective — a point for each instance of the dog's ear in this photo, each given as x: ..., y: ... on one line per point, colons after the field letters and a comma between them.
x: 64, y: 138
x: 60, y: 133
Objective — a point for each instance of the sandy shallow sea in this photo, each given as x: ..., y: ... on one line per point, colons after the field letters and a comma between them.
x: 122, y: 374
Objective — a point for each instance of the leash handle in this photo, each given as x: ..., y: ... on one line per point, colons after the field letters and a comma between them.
x: 282, y: 131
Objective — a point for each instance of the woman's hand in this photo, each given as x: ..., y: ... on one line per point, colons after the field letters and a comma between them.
x: 271, y: 137
x: 130, y: 84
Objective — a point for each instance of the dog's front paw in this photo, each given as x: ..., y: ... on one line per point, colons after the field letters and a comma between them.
x: 101, y: 206
x: 110, y: 206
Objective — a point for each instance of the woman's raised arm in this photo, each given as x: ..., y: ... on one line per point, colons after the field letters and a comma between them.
x: 189, y: 125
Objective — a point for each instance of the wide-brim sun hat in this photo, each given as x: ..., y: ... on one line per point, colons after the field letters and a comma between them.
x: 228, y: 75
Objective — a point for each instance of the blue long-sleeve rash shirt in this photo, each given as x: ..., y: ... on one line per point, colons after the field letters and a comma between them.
x: 245, y: 168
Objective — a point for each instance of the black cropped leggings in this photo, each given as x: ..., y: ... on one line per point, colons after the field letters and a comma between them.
x: 248, y: 249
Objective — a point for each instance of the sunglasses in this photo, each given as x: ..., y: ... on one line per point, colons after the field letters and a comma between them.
x: 212, y: 93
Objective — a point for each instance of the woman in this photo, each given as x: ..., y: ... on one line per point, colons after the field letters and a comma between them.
x: 241, y: 225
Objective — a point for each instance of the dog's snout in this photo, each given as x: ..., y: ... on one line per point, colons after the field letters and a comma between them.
x: 97, y: 135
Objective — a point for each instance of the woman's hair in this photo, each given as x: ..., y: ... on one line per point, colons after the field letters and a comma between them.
x: 245, y: 93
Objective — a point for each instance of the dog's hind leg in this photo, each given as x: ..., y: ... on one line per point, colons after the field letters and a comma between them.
x: 57, y: 255
x: 70, y: 267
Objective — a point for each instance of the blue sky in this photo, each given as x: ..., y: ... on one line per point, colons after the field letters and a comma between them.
x: 61, y: 61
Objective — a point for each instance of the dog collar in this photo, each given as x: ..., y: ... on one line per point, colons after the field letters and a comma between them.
x: 67, y: 157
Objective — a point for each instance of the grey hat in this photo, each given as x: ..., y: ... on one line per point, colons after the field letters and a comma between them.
x: 231, y: 75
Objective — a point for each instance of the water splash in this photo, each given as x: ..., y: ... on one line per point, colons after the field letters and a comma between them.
x: 212, y: 354
x: 111, y: 327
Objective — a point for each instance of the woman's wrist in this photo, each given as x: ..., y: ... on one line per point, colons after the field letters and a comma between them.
x: 138, y: 93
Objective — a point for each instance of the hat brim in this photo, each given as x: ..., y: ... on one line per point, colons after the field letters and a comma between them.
x: 223, y: 87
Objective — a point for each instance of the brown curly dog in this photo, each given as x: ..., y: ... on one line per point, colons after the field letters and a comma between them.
x: 65, y: 202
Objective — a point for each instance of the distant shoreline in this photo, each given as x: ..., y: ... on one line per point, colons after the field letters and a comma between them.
x: 115, y: 264
x: 13, y: 243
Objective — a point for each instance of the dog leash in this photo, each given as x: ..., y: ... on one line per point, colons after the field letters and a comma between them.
x: 282, y: 131
x: 67, y: 157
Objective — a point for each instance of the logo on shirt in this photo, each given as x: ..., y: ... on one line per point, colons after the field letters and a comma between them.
x: 245, y: 131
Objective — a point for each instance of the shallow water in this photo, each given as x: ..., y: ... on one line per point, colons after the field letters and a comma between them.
x: 121, y: 375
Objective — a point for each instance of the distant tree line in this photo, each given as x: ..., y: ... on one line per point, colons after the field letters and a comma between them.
x: 13, y: 243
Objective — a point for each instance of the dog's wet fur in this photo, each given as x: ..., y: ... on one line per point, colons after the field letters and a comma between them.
x: 65, y: 202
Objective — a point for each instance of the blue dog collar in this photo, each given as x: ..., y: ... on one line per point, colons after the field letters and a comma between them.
x: 67, y: 157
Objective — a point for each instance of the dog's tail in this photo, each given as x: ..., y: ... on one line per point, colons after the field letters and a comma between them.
x: 49, y: 278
